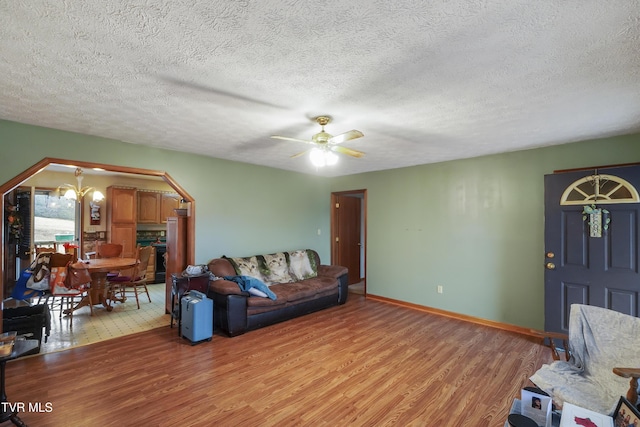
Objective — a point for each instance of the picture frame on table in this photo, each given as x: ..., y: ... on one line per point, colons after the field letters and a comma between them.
x: 625, y: 410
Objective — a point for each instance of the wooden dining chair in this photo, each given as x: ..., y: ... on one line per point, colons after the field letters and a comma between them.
x: 135, y: 280
x: 59, y: 295
x: 109, y: 250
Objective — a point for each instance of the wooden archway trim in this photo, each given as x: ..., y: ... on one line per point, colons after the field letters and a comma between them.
x: 20, y: 178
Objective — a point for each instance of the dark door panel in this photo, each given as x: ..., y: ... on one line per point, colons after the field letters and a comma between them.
x: 622, y: 300
x: 348, y: 235
x: 580, y: 269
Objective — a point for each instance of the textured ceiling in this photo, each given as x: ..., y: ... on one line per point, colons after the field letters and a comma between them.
x: 424, y: 81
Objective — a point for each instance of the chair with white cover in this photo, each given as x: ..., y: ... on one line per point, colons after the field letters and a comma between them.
x: 601, y: 361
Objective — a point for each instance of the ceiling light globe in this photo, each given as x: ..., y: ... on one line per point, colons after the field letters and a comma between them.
x: 317, y: 157
x: 97, y: 196
x: 70, y: 194
x: 331, y: 158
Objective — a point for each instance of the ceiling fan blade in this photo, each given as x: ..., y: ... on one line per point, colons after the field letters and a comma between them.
x: 347, y: 136
x: 347, y: 151
x: 286, y: 138
x: 295, y: 156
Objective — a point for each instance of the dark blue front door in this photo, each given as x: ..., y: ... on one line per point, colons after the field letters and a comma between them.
x: 600, y: 271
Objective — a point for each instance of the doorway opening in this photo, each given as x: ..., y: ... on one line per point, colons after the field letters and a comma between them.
x: 12, y: 242
x: 54, y: 221
x: 348, y: 236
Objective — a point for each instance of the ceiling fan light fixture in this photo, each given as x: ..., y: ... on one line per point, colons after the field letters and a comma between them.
x: 331, y: 158
x: 317, y: 157
x: 327, y: 147
x: 321, y: 137
x: 322, y: 157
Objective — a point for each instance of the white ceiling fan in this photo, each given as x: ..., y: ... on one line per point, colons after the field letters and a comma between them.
x: 326, y: 145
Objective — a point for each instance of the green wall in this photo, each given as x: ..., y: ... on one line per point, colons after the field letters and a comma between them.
x: 474, y: 226
x: 241, y: 209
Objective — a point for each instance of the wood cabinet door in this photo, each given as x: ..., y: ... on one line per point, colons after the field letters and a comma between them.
x: 148, y: 207
x: 176, y: 255
x: 168, y: 203
x: 125, y: 234
x: 122, y: 203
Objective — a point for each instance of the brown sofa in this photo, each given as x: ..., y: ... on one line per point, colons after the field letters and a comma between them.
x: 237, y: 311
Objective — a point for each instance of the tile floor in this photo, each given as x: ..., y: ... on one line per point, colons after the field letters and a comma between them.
x: 125, y: 319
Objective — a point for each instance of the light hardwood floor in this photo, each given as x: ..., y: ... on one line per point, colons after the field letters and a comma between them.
x: 366, y: 363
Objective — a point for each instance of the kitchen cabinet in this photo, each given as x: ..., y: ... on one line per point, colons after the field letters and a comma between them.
x: 122, y: 204
x: 148, y: 207
x: 155, y: 207
x: 168, y: 202
x: 121, y: 218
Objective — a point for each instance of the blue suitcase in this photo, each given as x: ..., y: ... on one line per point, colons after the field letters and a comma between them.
x: 197, y: 317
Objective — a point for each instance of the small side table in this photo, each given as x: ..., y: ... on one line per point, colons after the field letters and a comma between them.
x: 20, y: 348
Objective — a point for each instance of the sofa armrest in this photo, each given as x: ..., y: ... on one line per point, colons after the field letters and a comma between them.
x: 334, y: 271
x: 226, y: 287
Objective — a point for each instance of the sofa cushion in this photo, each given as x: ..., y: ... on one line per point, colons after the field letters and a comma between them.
x: 276, y: 268
x: 302, y: 265
x: 249, y: 266
x: 292, y: 292
x: 253, y: 310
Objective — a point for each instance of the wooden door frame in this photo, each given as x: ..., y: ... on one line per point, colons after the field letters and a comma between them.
x: 334, y: 231
x: 22, y: 177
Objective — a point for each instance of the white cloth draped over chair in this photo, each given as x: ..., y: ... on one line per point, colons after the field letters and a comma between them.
x: 599, y: 341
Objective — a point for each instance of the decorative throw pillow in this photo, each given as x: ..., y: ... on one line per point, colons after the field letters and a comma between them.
x: 301, y: 265
x: 276, y: 269
x: 247, y: 267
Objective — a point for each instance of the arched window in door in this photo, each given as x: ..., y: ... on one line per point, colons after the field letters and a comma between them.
x: 600, y: 189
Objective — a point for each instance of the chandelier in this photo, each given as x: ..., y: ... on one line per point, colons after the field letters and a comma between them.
x: 74, y: 192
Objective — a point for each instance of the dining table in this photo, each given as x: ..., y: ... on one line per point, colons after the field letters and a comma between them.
x: 98, y: 268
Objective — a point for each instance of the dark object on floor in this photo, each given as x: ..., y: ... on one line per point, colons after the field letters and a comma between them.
x: 29, y: 322
x: 517, y: 420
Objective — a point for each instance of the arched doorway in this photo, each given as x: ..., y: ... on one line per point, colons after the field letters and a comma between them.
x: 115, y: 169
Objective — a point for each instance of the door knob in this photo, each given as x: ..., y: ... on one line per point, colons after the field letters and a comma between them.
x: 550, y: 266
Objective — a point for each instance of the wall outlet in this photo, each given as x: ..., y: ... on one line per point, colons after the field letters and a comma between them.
x: 319, y: 232
x: 440, y: 289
